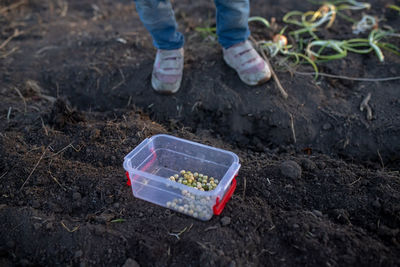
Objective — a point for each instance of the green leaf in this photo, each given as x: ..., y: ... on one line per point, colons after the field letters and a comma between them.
x: 118, y: 221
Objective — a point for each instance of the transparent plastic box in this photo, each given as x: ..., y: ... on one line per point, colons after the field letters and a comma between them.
x: 153, y: 161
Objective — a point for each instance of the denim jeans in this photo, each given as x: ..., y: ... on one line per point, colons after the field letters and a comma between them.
x: 159, y: 19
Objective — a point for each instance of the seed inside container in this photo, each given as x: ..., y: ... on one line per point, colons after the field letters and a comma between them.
x: 195, y: 205
x: 196, y: 180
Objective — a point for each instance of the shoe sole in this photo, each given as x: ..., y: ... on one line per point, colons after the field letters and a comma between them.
x: 169, y: 89
x: 266, y: 79
x: 260, y: 82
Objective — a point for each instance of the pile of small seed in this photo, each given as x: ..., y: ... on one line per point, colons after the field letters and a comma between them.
x: 190, y: 204
x: 197, y: 180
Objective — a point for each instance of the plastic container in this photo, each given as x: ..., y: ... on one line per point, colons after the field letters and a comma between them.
x: 153, y: 161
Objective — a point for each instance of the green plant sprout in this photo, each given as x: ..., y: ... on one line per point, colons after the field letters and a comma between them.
x: 349, y: 4
x: 366, y: 23
x: 207, y: 31
x: 279, y: 45
x: 313, y: 50
x: 118, y: 221
x: 309, y: 48
x: 260, y: 19
x: 358, y: 45
x: 310, y: 21
x: 394, y: 7
x: 344, y: 4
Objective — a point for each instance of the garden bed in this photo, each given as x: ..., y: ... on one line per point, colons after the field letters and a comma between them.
x: 319, y: 183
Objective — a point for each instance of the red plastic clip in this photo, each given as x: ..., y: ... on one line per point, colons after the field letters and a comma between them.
x: 128, y: 183
x: 219, y: 206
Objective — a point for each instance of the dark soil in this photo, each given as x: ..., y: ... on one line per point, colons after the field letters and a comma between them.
x: 75, y: 99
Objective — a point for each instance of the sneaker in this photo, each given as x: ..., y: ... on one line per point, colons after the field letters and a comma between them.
x: 251, y: 67
x: 167, y: 71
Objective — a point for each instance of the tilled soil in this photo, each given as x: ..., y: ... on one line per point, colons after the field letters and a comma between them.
x: 76, y: 98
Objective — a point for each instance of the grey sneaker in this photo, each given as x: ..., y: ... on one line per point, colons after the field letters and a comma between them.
x: 167, y: 71
x: 251, y: 67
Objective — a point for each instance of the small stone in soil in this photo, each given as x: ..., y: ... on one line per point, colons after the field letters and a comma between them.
x: 376, y: 204
x: 326, y: 126
x: 35, y: 204
x: 308, y: 164
x: 131, y: 263
x: 76, y: 196
x: 37, y: 226
x: 317, y: 213
x: 321, y: 165
x: 225, y: 221
x: 290, y: 169
x: 78, y: 254
x: 49, y: 226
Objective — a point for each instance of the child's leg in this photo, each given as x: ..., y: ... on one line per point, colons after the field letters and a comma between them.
x: 159, y: 19
x: 232, y: 21
x: 233, y: 32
